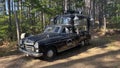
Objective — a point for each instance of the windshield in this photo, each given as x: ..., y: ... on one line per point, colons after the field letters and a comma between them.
x: 55, y: 29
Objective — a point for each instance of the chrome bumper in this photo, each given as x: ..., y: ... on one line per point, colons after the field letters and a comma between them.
x: 31, y: 53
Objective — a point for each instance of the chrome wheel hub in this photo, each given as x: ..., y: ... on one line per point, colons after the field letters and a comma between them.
x: 50, y: 53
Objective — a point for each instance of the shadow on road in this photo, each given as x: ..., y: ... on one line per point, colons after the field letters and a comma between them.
x: 100, y: 42
x: 94, y: 60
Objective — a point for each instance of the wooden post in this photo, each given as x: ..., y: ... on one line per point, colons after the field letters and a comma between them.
x: 105, y: 24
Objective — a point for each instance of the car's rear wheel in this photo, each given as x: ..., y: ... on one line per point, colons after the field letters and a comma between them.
x: 49, y: 53
x: 85, y: 42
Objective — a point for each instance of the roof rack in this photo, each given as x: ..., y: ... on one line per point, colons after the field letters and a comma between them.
x: 72, y: 12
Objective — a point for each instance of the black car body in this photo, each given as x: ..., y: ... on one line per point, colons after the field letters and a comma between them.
x: 56, y: 38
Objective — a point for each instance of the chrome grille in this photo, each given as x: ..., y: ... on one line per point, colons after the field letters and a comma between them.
x: 29, y: 48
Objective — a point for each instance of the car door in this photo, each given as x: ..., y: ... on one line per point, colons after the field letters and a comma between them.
x: 72, y: 38
x: 67, y: 41
x: 72, y: 41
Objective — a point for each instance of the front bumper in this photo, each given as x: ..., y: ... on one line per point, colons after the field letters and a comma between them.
x: 34, y: 54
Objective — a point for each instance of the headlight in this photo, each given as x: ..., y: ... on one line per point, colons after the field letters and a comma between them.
x: 22, y: 35
x: 36, y: 45
x: 37, y: 50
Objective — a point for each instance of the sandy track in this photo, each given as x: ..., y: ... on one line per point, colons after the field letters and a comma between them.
x: 97, y: 55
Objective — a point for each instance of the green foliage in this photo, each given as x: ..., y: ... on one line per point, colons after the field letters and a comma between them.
x: 79, y: 3
x: 30, y: 16
x: 45, y: 6
x: 3, y: 27
x: 50, y: 8
x: 115, y: 19
x: 113, y: 11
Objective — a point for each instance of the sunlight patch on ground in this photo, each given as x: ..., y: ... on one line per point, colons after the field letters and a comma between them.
x: 103, y: 52
x: 113, y: 46
x: 31, y: 63
x: 5, y: 61
x: 92, y: 52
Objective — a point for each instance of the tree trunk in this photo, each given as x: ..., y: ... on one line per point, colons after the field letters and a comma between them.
x: 100, y: 17
x: 43, y: 21
x: 10, y: 23
x: 4, y: 10
x: 87, y: 6
x: 93, y: 12
x: 105, y: 21
x: 20, y: 20
x: 12, y: 5
x: 17, y: 27
x: 65, y: 5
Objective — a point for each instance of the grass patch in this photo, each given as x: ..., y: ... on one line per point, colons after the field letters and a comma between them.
x: 105, y: 40
x: 113, y: 26
x: 8, y: 49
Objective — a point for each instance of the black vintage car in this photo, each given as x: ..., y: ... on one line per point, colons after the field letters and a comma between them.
x: 67, y: 31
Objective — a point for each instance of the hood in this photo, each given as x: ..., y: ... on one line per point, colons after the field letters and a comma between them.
x: 42, y: 36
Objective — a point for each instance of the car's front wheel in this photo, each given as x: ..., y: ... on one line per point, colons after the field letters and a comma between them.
x: 49, y: 53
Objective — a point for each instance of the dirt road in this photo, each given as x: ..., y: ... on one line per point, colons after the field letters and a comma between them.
x: 102, y: 53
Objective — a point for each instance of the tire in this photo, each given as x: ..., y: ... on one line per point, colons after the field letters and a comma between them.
x: 85, y: 42
x: 50, y: 53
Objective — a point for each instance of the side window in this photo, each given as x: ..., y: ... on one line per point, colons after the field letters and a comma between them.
x: 56, y: 29
x: 65, y: 30
x: 83, y: 25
